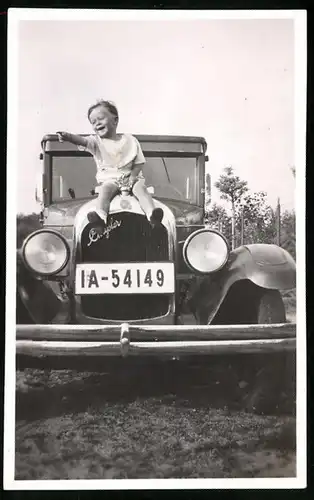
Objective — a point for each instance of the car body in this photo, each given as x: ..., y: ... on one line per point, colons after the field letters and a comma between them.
x: 178, y: 282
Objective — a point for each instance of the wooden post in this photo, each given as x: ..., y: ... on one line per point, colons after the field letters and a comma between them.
x: 242, y: 226
x: 278, y: 223
x: 219, y: 225
x: 208, y: 188
x: 233, y: 227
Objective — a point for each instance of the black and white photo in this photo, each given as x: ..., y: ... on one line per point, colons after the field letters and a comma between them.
x: 155, y: 283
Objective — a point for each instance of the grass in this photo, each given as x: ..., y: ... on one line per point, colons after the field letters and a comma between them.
x: 118, y: 420
x: 149, y: 422
x: 289, y: 299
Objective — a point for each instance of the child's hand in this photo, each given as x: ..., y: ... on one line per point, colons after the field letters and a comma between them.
x: 61, y: 136
x: 124, y: 182
x: 132, y: 180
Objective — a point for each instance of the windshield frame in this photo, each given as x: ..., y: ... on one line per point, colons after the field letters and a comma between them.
x: 200, y: 175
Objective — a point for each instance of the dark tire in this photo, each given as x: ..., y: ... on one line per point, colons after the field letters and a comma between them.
x: 274, y: 373
x: 270, y: 308
x: 22, y: 315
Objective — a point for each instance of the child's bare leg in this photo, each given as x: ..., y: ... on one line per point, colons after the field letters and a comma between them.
x: 107, y: 192
x: 153, y: 214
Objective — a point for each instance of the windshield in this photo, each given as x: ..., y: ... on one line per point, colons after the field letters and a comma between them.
x: 171, y: 177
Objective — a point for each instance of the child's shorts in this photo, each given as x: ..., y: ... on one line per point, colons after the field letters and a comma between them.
x: 124, y: 181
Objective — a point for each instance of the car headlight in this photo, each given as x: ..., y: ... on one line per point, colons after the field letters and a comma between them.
x: 45, y: 252
x: 205, y: 251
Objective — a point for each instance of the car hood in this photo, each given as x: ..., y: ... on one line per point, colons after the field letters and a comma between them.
x: 65, y: 213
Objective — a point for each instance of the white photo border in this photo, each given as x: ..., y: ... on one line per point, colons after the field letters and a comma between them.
x: 15, y: 15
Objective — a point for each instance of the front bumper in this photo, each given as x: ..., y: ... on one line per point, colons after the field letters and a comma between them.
x: 166, y: 341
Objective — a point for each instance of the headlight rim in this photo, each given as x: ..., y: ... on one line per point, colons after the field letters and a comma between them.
x: 186, y: 244
x: 51, y: 231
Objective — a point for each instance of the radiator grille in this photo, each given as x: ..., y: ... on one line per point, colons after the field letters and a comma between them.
x: 132, y: 240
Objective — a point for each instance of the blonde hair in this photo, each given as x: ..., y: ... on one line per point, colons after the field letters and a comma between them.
x: 109, y: 105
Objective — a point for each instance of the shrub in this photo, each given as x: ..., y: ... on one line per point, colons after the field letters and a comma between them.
x: 26, y: 224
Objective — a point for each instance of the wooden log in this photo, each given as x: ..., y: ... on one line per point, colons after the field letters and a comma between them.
x: 55, y: 348
x: 153, y: 332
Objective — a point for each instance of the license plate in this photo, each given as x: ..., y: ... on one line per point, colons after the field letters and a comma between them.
x: 150, y: 277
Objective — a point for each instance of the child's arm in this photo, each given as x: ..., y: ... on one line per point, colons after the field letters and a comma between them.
x: 139, y: 161
x: 79, y: 140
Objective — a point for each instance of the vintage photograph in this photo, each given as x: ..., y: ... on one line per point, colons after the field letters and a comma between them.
x: 156, y: 170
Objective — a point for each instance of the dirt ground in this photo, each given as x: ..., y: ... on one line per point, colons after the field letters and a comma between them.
x: 151, y: 420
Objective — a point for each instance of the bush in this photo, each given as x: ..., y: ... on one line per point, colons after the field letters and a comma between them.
x: 26, y: 224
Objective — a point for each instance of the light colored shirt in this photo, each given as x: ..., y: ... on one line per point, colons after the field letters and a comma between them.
x: 114, y: 158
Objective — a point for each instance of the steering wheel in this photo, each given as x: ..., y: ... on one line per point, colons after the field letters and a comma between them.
x: 165, y: 187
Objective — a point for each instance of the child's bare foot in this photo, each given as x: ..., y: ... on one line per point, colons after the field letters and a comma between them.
x: 99, y: 230
x: 156, y: 217
x: 98, y: 218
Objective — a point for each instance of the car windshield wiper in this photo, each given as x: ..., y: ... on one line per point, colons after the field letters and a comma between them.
x: 164, y: 163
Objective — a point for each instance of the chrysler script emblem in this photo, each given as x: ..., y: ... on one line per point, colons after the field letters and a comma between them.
x: 94, y: 236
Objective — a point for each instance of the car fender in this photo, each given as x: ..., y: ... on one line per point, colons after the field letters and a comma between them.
x: 267, y: 266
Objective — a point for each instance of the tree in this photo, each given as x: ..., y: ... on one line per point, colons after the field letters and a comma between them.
x: 255, y: 219
x: 288, y: 240
x: 232, y: 189
x: 217, y: 218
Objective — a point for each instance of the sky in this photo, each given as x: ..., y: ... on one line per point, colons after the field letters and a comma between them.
x: 230, y: 81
